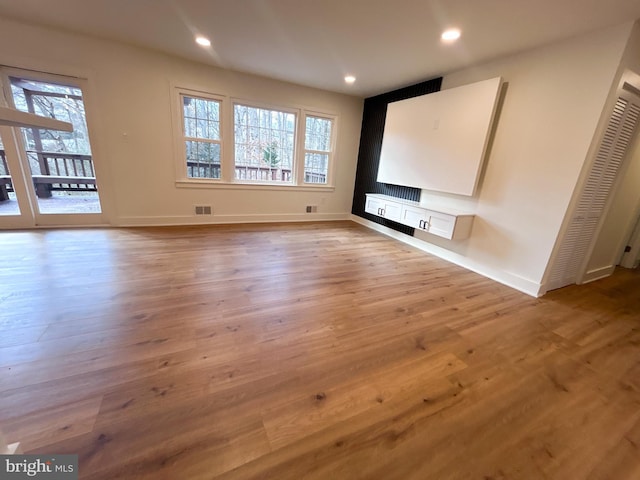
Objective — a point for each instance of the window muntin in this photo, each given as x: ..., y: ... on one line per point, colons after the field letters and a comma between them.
x: 264, y: 141
x: 317, y: 149
x: 202, y: 138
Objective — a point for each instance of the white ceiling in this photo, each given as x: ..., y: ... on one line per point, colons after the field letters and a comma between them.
x: 386, y: 44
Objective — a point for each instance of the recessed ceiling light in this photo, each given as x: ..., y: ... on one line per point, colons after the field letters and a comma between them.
x: 349, y: 79
x: 203, y: 41
x: 450, y: 35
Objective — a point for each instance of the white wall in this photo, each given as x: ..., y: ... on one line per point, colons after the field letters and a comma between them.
x: 552, y: 108
x: 129, y: 93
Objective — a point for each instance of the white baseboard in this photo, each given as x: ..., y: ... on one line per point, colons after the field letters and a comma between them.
x: 598, y: 273
x: 158, y: 221
x: 524, y: 285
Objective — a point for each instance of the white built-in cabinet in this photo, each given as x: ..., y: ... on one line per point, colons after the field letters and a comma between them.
x: 384, y: 206
x: 437, y: 221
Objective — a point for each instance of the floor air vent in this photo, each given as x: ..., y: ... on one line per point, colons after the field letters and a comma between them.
x: 203, y: 209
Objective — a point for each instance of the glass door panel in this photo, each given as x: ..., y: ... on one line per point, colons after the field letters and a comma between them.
x: 59, y: 163
x: 8, y: 201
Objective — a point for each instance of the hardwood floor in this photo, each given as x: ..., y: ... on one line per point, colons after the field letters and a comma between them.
x: 315, y: 351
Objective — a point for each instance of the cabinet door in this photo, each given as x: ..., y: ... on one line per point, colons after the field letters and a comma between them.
x: 374, y: 206
x: 440, y: 224
x: 392, y: 211
x: 414, y: 217
x: 383, y: 208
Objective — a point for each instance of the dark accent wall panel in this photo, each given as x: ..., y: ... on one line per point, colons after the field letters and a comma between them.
x: 373, y: 118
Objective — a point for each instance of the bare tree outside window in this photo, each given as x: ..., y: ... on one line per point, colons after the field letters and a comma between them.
x: 317, y: 147
x: 53, y: 101
x: 287, y: 146
x: 201, y: 128
x: 264, y: 144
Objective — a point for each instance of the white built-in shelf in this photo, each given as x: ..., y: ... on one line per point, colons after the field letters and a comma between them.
x: 443, y: 222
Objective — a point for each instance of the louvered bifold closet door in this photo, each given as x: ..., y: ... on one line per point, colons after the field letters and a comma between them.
x: 593, y: 199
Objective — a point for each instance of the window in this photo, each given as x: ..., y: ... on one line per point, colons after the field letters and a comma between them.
x: 226, y: 142
x: 317, y: 149
x: 201, y: 131
x: 264, y: 144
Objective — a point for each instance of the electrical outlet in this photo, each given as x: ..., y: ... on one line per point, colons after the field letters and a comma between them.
x: 312, y: 208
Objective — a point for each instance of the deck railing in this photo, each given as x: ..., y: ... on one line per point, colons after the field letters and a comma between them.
x: 264, y: 174
x: 63, y: 164
x: 53, y: 171
x: 5, y: 178
x: 74, y: 172
x: 315, y: 177
x: 212, y: 170
x: 256, y: 173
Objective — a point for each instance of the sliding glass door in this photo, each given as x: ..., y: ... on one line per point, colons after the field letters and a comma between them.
x: 52, y: 179
x: 8, y: 202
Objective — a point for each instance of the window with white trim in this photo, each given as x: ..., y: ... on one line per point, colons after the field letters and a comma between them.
x: 235, y: 142
x: 202, y: 139
x: 264, y: 141
x: 317, y: 149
